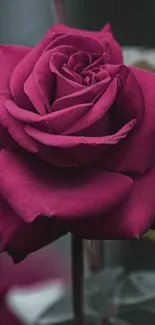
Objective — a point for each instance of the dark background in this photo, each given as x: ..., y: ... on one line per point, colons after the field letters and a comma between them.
x: 133, y: 21
x: 25, y: 21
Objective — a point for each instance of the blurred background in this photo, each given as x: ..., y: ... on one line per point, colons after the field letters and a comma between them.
x: 25, y: 22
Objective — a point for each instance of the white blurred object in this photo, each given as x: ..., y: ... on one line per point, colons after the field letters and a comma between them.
x: 132, y: 55
x: 52, y: 305
x: 46, y: 306
x: 29, y: 303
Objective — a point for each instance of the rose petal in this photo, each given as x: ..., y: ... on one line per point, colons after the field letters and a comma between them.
x: 97, y: 112
x: 130, y: 100
x: 81, y: 42
x: 63, y: 141
x: 17, y: 131
x: 86, y: 95
x: 57, y: 121
x: 40, y: 84
x: 9, y: 222
x: 112, y: 50
x: 136, y: 154
x: 69, y: 151
x: 80, y: 57
x: 72, y: 75
x: 20, y: 238
x: 64, y: 86
x: 25, y: 67
x: 35, y: 189
x: 31, y: 237
x: 33, y: 93
x: 6, y: 141
x: 107, y: 29
x: 129, y: 220
x: 10, y: 56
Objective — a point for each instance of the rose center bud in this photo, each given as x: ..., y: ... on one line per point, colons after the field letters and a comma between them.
x: 85, y: 68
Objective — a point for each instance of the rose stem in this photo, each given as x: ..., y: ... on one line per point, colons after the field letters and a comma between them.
x: 59, y: 10
x: 77, y: 279
x: 95, y: 255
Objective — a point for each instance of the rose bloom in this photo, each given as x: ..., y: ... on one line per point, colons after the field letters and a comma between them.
x: 77, y: 136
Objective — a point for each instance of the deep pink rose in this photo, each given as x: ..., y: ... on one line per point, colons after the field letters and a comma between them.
x: 77, y: 141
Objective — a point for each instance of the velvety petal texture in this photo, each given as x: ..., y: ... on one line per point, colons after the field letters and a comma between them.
x: 127, y: 220
x: 77, y: 138
x: 10, y: 56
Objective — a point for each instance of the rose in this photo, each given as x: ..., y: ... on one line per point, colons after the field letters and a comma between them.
x: 70, y: 102
x: 55, y: 88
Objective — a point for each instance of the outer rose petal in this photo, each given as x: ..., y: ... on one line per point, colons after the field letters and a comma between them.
x: 25, y: 67
x: 32, y: 236
x: 136, y: 153
x: 10, y: 56
x: 35, y: 189
x: 58, y: 194
x: 20, y: 238
x: 68, y: 151
x: 58, y: 121
x: 127, y: 221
